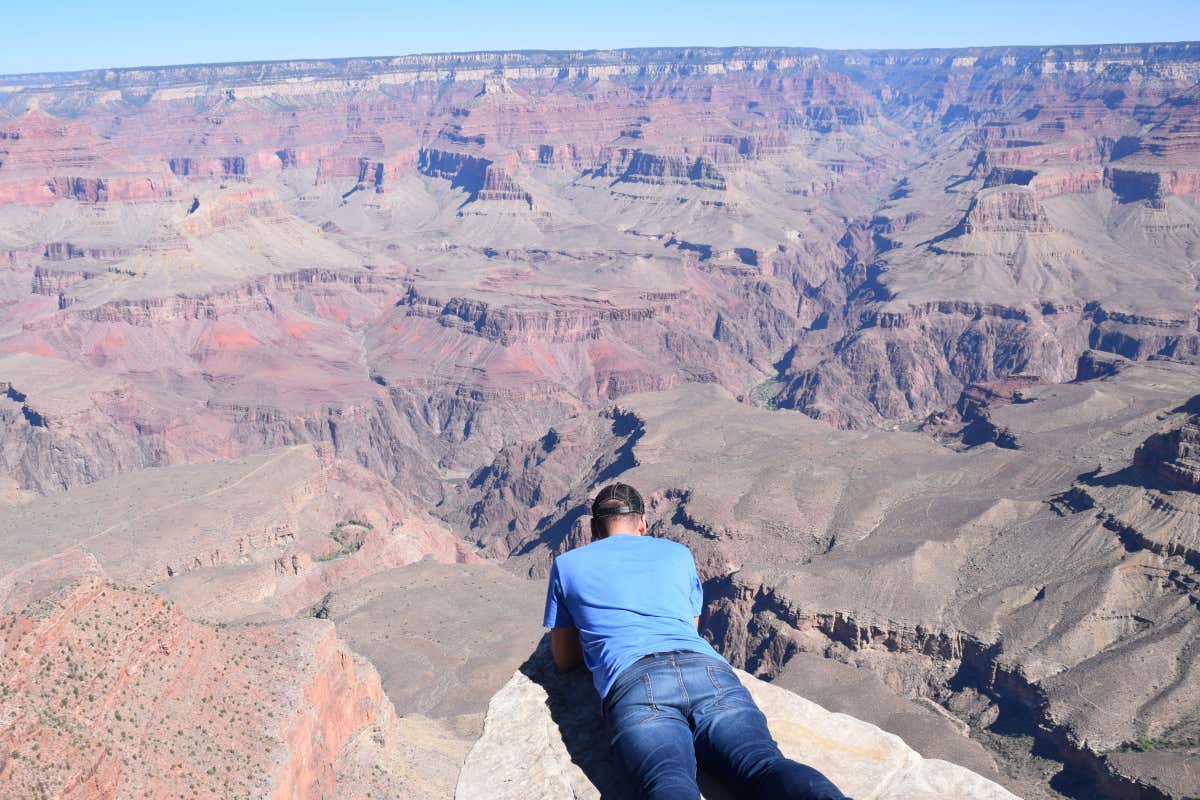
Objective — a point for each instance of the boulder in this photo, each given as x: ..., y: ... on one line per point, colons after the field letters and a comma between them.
x: 543, y: 738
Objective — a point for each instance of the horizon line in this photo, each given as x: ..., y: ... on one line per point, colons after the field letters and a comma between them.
x: 591, y: 51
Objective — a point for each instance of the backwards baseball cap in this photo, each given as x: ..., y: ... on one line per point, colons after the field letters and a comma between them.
x: 616, y: 499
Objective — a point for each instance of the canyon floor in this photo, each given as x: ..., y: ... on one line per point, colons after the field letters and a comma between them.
x: 308, y: 370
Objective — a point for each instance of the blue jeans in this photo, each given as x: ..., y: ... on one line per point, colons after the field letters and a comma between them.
x: 669, y: 711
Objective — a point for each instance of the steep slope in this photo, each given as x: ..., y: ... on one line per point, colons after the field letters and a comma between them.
x: 112, y: 692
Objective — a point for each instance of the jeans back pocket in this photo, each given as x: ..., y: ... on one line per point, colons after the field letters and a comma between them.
x: 729, y: 690
x: 633, y: 703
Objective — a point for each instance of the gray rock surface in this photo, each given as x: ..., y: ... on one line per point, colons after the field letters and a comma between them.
x: 543, y: 738
x: 444, y: 637
x: 922, y: 724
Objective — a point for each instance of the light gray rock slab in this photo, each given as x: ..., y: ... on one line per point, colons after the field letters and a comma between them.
x: 543, y: 739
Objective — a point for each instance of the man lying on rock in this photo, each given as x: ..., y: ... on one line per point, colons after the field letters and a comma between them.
x: 627, y: 605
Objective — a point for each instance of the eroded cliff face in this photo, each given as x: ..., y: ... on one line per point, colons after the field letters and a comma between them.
x: 1174, y: 455
x: 145, y: 701
x: 407, y: 272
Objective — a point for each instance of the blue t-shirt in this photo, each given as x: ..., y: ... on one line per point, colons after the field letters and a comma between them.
x: 629, y: 596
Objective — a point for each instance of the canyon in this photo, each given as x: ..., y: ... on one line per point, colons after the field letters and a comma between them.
x: 309, y: 368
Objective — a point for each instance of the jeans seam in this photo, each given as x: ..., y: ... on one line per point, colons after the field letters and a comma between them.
x: 649, y: 693
x: 719, y: 700
x: 628, y: 679
x: 687, y: 701
x: 632, y: 673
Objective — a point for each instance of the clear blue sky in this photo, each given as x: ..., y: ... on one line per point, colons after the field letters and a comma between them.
x: 82, y: 34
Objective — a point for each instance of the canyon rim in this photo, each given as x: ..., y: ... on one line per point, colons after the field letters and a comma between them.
x: 309, y: 368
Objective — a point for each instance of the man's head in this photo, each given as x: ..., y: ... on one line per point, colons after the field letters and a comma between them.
x: 618, y: 508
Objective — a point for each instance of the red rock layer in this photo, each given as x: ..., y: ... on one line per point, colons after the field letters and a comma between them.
x: 110, y: 692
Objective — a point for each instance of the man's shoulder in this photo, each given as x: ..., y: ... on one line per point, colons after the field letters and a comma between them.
x: 579, y: 554
x: 604, y: 548
x: 668, y: 546
x: 574, y: 556
x: 670, y: 552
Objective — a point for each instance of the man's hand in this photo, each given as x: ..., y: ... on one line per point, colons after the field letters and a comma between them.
x: 565, y: 648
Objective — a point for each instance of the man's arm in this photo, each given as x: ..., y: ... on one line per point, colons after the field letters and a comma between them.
x: 697, y: 621
x: 565, y: 648
x: 564, y: 636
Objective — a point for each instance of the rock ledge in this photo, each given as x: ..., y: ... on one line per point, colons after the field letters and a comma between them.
x: 543, y: 739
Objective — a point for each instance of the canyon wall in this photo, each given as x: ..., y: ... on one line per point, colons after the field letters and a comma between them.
x: 903, y: 345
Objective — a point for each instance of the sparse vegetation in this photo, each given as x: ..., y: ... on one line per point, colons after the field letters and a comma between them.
x: 1146, y: 744
x: 348, y: 542
x: 765, y: 394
